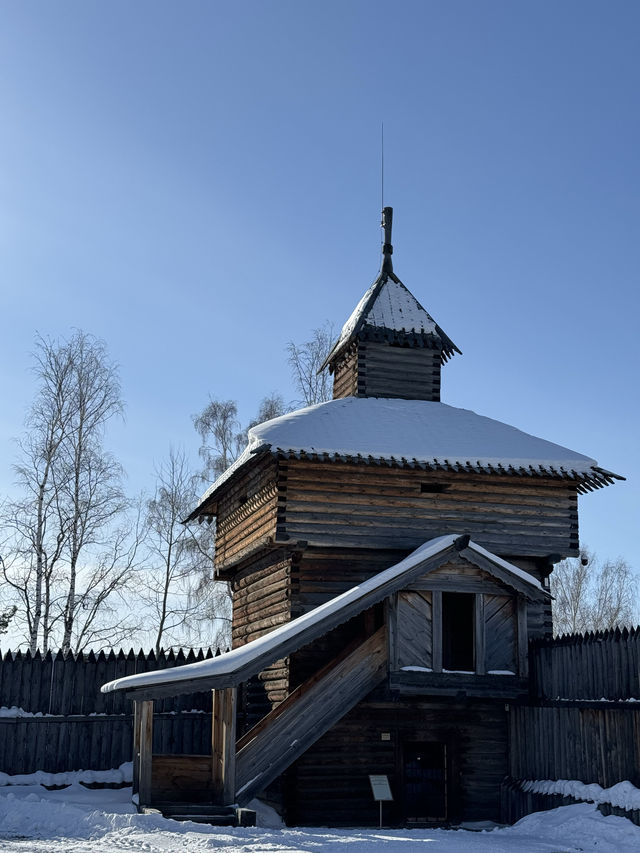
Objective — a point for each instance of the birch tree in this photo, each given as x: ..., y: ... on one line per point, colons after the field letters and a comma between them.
x: 71, y: 492
x: 178, y: 562
x: 305, y: 360
x: 590, y: 595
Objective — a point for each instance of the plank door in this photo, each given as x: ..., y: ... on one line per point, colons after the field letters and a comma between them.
x: 424, y: 782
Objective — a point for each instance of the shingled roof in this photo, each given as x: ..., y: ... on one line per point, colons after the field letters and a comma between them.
x: 242, y: 662
x: 389, y: 312
x: 411, y: 433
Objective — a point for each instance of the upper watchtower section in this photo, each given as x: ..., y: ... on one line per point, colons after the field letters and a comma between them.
x: 390, y: 346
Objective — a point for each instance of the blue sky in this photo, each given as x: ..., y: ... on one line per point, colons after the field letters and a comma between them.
x: 199, y: 183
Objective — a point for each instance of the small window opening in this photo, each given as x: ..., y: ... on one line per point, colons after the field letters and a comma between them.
x: 434, y: 488
x: 242, y: 499
x: 458, y: 631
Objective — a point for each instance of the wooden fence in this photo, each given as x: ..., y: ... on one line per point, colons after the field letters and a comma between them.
x: 57, y: 744
x: 64, y: 685
x: 582, y: 722
x: 80, y: 728
x: 583, y: 742
x: 602, y: 665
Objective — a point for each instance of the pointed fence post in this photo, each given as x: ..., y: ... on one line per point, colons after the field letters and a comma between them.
x: 223, y: 746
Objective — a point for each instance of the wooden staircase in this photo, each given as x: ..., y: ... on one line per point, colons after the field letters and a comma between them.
x: 306, y: 714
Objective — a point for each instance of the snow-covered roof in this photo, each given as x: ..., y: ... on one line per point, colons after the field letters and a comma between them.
x: 243, y: 662
x: 389, y: 307
x: 418, y: 433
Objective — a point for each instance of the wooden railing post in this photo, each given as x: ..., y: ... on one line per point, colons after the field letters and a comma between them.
x: 142, y: 750
x: 223, y: 745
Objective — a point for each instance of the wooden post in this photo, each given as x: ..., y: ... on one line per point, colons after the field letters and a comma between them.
x: 436, y: 641
x: 391, y: 614
x: 523, y: 639
x: 480, y: 643
x: 136, y: 746
x: 223, y: 746
x: 143, y: 749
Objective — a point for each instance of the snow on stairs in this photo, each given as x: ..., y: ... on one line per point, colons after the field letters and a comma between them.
x: 205, y: 813
x: 297, y: 723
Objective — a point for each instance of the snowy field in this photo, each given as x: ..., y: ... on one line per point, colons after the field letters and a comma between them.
x: 77, y: 820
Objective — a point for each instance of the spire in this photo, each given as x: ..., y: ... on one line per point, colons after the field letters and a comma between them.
x: 387, y: 248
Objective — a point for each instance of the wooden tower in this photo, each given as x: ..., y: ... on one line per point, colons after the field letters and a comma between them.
x: 351, y: 657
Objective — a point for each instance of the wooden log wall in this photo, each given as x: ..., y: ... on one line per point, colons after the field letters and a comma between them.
x: 330, y: 784
x: 385, y: 370
x: 318, y: 575
x: 602, y: 665
x: 345, y: 377
x: 380, y: 369
x: 590, y: 743
x: 247, y: 512
x: 56, y: 744
x: 262, y: 602
x: 338, y: 504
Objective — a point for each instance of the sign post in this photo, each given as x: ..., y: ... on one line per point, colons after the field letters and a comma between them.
x: 380, y: 790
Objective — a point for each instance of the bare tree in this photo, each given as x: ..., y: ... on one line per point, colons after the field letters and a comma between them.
x: 592, y: 596
x: 177, y: 560
x: 71, y: 488
x: 271, y: 406
x: 220, y: 435
x: 306, y: 359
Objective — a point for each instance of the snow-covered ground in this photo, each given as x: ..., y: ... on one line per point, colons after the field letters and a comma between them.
x: 78, y: 820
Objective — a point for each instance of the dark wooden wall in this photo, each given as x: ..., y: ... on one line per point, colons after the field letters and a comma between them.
x: 379, y: 369
x: 57, y: 744
x: 591, y: 743
x: 374, y: 506
x: 70, y: 684
x: 330, y: 785
x: 345, y: 377
x: 602, y: 665
x: 246, y: 514
x: 262, y: 602
x: 394, y: 371
x: 80, y: 728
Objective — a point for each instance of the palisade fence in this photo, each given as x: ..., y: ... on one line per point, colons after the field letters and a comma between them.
x: 65, y: 723
x: 600, y: 665
x: 583, y: 720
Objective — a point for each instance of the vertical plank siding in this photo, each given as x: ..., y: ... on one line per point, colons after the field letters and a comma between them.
x: 79, y: 728
x: 590, y: 744
x: 602, y: 665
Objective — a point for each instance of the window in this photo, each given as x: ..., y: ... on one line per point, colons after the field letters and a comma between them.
x: 458, y: 631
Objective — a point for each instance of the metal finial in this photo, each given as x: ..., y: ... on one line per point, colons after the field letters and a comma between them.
x: 387, y: 248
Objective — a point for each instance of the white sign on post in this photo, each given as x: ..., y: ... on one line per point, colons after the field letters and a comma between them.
x: 380, y: 790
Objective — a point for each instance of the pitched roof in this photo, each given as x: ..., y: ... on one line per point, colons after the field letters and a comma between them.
x: 241, y: 663
x: 389, y: 311
x: 414, y: 433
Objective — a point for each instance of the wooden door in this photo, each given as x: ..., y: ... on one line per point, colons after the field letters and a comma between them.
x: 425, y: 782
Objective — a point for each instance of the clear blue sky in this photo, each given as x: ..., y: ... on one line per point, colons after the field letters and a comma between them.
x: 199, y: 183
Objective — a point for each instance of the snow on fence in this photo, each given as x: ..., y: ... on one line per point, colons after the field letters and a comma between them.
x: 600, y: 665
x: 53, y: 716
